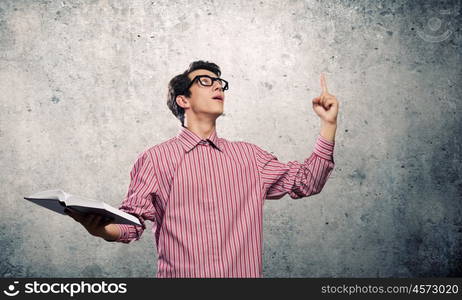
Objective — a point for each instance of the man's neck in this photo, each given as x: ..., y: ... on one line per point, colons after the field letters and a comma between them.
x: 202, y: 129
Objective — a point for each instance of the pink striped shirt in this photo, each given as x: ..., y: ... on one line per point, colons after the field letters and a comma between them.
x: 205, y: 199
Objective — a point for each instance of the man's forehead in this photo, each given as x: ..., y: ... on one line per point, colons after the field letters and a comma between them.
x: 201, y: 72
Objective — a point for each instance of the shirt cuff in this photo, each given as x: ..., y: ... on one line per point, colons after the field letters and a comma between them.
x: 324, y: 148
x: 127, y: 233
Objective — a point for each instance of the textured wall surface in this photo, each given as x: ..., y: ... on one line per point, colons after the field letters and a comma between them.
x: 83, y: 91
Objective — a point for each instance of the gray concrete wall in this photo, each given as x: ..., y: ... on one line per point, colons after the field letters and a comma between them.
x: 83, y: 92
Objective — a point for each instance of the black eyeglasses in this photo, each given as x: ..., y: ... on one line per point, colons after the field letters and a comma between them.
x: 206, y: 80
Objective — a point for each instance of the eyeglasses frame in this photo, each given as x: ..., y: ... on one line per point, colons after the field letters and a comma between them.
x: 213, y: 81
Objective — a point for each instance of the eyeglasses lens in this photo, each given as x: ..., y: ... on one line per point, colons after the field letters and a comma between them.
x: 206, y: 81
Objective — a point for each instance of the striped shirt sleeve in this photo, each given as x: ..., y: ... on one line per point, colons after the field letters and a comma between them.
x: 138, y: 201
x: 294, y: 178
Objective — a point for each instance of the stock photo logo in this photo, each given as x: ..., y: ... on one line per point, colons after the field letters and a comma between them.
x: 438, y: 26
x: 11, y: 290
x: 66, y: 288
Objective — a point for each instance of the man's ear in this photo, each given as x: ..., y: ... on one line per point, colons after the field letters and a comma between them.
x: 182, y: 101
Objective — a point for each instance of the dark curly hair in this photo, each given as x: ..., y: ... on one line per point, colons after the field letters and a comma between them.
x: 179, y: 83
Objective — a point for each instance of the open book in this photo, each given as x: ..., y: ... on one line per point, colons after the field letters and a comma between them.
x: 58, y: 200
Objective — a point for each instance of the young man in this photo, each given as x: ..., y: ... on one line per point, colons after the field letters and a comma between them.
x: 205, y: 194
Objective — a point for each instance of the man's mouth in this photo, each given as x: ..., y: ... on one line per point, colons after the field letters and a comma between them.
x: 219, y: 98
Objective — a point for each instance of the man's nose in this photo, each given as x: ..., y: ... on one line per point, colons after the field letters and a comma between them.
x: 216, y: 84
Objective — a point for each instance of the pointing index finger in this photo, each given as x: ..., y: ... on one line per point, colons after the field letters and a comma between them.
x: 323, y: 84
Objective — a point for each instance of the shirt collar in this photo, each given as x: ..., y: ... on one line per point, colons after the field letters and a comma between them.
x: 189, y: 139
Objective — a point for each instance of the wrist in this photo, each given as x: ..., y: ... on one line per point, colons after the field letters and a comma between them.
x: 329, y: 124
x: 328, y: 131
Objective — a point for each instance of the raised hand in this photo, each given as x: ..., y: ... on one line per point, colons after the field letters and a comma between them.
x: 326, y: 105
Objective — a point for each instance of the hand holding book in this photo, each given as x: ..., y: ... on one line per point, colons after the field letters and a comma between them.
x: 98, y: 217
x: 95, y: 224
